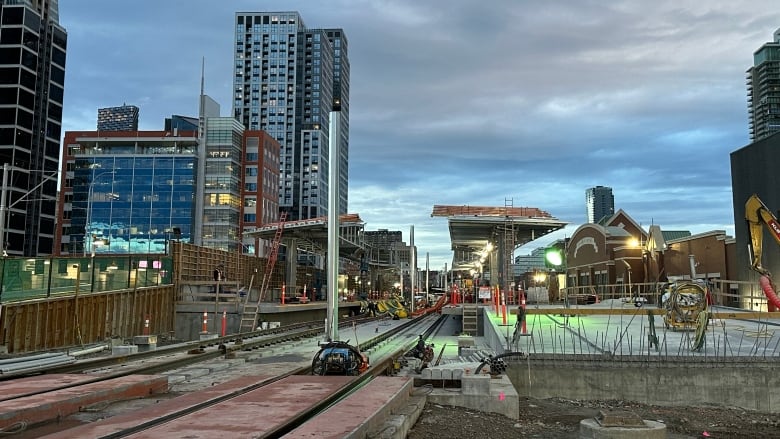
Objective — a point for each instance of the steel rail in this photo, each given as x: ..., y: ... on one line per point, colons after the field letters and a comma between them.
x: 383, y: 366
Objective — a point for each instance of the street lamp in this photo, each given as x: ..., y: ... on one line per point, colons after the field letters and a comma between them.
x: 90, y: 195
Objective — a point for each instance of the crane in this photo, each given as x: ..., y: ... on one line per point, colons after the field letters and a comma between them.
x: 758, y: 215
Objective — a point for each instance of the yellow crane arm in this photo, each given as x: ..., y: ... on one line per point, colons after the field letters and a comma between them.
x: 757, y: 214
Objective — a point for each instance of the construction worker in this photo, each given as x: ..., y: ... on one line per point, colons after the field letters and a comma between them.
x: 420, y: 346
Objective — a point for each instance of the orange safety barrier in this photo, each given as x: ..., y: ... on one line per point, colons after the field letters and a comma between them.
x: 224, y: 322
x: 495, y: 300
x: 205, y: 329
x: 503, y: 308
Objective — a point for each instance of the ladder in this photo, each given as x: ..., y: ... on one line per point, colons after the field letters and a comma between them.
x: 249, y: 315
x: 470, y: 320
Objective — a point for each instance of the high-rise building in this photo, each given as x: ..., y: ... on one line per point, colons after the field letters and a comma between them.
x: 260, y: 194
x: 287, y: 80
x: 32, y: 68
x: 124, y: 118
x: 258, y: 184
x: 599, y: 202
x: 222, y: 188
x: 763, y: 90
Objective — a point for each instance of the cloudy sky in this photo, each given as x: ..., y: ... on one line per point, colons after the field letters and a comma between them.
x: 464, y: 102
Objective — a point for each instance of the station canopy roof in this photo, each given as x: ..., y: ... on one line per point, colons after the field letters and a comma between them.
x: 312, y: 234
x: 472, y: 227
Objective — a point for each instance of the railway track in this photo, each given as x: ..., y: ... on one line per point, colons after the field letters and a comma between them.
x: 387, y: 345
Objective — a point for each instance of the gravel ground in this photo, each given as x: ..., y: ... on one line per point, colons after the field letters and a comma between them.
x: 560, y: 418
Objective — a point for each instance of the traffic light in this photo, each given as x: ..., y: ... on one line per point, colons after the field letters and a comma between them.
x: 553, y: 257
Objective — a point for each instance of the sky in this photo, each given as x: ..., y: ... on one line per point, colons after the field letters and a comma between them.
x: 459, y: 102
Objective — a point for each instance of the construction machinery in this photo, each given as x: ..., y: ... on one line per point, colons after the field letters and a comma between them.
x: 758, y: 215
x: 339, y: 358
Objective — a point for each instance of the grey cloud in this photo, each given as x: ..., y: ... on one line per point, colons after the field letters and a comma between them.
x: 463, y: 102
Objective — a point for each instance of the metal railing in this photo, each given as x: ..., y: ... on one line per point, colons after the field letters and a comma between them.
x: 724, y: 292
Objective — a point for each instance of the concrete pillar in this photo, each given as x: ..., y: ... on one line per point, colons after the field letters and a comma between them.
x: 291, y: 267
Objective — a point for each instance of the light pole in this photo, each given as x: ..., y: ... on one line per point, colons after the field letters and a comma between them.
x: 88, y: 223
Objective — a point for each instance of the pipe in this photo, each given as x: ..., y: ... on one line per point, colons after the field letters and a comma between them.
x: 87, y: 351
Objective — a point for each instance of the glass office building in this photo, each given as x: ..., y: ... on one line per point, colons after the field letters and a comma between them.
x: 127, y: 192
x: 222, y: 183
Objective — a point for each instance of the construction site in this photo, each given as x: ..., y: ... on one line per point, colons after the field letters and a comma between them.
x: 626, y: 340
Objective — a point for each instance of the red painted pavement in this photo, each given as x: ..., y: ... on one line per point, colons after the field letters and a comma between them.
x: 253, y: 414
x: 52, y: 405
x: 359, y: 411
x: 110, y: 425
x: 25, y: 386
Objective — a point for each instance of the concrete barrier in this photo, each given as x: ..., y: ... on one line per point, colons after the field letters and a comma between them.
x: 680, y: 381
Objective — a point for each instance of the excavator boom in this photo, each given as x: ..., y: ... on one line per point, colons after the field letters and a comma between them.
x: 757, y: 214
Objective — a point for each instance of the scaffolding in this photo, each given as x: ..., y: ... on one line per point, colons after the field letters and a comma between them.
x: 509, y: 250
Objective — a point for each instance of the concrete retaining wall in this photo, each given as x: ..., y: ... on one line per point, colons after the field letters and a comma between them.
x: 746, y: 383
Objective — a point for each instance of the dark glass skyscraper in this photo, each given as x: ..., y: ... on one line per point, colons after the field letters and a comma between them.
x: 286, y: 80
x: 124, y: 118
x: 599, y: 202
x: 32, y: 79
x: 763, y: 84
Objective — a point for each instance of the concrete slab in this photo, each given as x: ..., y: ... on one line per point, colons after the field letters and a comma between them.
x: 624, y: 335
x: 53, y: 405
x: 107, y: 426
x: 35, y: 384
x: 360, y: 413
x: 266, y: 408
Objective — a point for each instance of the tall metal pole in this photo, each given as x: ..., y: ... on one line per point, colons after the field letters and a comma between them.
x: 4, y: 206
x: 413, y: 262
x: 334, y: 137
x: 427, y: 276
x: 402, y: 281
x: 446, y: 281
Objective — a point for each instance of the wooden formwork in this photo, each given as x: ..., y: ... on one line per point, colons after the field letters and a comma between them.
x: 74, y: 321
x: 194, y: 267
